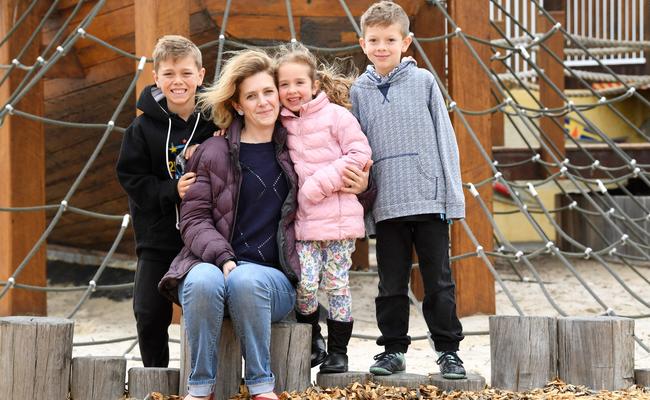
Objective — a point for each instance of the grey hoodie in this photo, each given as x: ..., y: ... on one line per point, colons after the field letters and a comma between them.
x: 416, y: 165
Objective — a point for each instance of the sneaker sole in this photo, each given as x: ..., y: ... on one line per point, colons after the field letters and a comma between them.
x: 454, y: 376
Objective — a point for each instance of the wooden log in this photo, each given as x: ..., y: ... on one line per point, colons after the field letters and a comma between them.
x: 597, y: 352
x: 642, y: 377
x: 229, y: 360
x: 342, y: 380
x: 473, y: 382
x: 290, y: 356
x: 474, y: 282
x: 22, y: 151
x: 407, y: 380
x: 143, y: 381
x: 98, y: 378
x: 523, y: 352
x: 35, y: 357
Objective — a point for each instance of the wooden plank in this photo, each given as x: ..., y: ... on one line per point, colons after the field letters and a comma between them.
x: 22, y: 149
x: 472, y: 383
x: 229, y: 360
x: 35, y: 357
x: 290, y: 356
x: 342, y: 380
x: 300, y: 8
x: 156, y: 18
x: 326, y: 31
x: 552, y: 128
x: 582, y: 359
x: 95, y: 75
x: 474, y: 283
x: 266, y: 27
x: 523, y: 352
x: 143, y: 381
x: 98, y: 378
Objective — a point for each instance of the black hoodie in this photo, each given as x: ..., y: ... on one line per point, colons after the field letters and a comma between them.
x: 146, y: 171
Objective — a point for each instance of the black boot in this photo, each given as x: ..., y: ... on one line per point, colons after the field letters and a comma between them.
x: 338, y: 337
x: 318, y: 352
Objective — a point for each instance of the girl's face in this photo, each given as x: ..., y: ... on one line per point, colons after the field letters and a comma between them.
x: 295, y: 85
x: 258, y: 100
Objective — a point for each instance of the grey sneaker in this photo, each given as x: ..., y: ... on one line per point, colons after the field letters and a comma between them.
x: 451, y: 366
x: 388, y: 363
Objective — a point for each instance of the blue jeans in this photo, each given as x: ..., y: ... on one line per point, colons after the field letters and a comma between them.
x: 256, y: 296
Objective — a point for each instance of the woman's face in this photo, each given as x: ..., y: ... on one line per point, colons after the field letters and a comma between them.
x: 258, y: 100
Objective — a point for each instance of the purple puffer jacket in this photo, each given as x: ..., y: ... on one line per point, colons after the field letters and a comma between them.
x: 210, y: 205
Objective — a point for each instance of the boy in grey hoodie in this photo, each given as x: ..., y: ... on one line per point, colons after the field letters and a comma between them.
x: 419, y: 189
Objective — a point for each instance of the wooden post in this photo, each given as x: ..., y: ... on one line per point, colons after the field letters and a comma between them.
x: 22, y: 151
x: 98, y: 378
x: 342, y: 380
x: 407, y: 380
x: 290, y: 356
x: 35, y: 357
x: 473, y: 383
x: 553, y: 131
x: 229, y: 360
x: 468, y: 86
x: 642, y: 377
x: 153, y: 19
x: 597, y: 352
x: 523, y: 352
x: 360, y: 260
x: 143, y: 381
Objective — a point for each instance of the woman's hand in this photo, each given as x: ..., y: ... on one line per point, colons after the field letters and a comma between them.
x: 228, y: 266
x: 184, y: 183
x: 355, y: 180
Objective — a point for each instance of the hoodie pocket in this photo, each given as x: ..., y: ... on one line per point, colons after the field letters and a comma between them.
x: 405, y: 176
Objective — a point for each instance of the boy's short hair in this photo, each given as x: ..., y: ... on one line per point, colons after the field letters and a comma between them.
x: 385, y: 13
x: 175, y: 47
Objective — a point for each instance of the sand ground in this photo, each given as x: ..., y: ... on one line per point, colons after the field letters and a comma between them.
x: 102, y: 318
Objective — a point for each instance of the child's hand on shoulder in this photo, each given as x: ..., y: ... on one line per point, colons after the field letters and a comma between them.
x: 185, y: 182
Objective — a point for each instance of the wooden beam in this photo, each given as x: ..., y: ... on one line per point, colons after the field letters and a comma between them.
x: 153, y: 19
x: 468, y: 86
x: 22, y: 151
x: 552, y: 127
x: 497, y: 123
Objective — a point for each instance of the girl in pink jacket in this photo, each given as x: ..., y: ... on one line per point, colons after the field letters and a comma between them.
x: 323, y: 139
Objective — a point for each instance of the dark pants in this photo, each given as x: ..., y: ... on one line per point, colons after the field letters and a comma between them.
x: 395, y: 240
x: 153, y: 312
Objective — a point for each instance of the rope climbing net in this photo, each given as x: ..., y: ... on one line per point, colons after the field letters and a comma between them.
x: 590, y: 200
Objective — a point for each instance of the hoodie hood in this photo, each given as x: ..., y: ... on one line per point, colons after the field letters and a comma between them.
x: 153, y: 103
x: 383, y: 83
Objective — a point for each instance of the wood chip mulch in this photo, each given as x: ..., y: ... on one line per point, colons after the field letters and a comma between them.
x: 555, y: 390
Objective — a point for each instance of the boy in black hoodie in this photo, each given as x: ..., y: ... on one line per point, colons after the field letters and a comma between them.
x: 150, y: 169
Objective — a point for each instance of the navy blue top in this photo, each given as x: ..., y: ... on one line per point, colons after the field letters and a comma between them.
x: 263, y: 190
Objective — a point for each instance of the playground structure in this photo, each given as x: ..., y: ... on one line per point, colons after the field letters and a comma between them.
x: 70, y: 71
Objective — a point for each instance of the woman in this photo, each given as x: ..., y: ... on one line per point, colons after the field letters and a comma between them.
x: 237, y: 225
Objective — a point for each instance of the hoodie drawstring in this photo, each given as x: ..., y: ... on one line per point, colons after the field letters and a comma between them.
x: 169, y: 171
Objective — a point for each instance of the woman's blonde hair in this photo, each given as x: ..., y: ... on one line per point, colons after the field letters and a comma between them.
x: 333, y: 82
x: 216, y: 101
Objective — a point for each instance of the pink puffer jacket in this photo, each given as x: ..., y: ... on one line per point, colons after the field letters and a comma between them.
x: 322, y: 141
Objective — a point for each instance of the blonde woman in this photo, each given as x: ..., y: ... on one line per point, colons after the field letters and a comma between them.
x: 237, y: 223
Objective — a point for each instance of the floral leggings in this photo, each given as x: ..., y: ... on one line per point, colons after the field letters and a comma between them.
x: 331, y: 260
